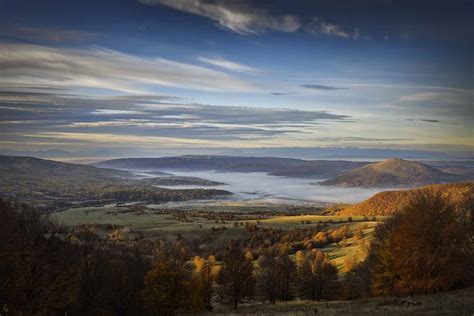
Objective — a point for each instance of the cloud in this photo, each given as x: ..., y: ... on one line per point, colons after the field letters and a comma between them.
x: 45, y: 34
x: 440, y: 102
x: 228, y: 65
x: 423, y: 120
x: 242, y: 17
x: 27, y: 117
x: 280, y: 93
x: 31, y: 66
x: 321, y: 87
x: 320, y: 27
x: 236, y: 16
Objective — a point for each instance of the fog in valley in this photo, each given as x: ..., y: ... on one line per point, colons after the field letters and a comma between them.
x: 262, y: 186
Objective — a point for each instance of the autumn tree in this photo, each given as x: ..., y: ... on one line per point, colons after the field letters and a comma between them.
x: 205, y: 276
x: 168, y: 285
x: 428, y: 247
x: 235, y: 279
x: 316, y: 275
x: 266, y: 274
x: 286, y: 271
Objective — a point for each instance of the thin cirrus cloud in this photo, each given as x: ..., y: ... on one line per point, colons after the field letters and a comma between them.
x: 320, y: 27
x: 228, y: 65
x: 242, y: 17
x: 237, y: 16
x: 29, y: 66
x: 321, y: 87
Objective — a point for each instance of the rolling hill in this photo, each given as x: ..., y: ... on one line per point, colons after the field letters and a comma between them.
x: 389, y: 202
x: 393, y: 173
x: 287, y: 167
x: 54, y: 185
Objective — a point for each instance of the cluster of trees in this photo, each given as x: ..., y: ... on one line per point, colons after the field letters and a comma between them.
x: 176, y: 285
x: 45, y: 271
x: 42, y: 272
x: 427, y: 248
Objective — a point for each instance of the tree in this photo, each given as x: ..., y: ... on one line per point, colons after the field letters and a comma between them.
x: 235, y: 279
x: 316, y: 275
x: 125, y: 282
x: 266, y: 274
x: 38, y: 271
x: 205, y: 276
x: 286, y: 274
x: 428, y: 247
x: 168, y: 285
x: 92, y: 267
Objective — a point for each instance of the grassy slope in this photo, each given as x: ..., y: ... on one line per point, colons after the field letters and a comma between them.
x: 451, y: 303
x: 159, y: 224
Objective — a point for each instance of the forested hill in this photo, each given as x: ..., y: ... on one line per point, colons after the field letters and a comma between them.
x: 393, y: 173
x: 52, y: 185
x: 276, y: 166
x: 36, y: 167
x: 391, y: 202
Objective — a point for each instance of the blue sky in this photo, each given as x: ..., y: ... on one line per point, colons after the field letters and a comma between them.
x: 153, y: 74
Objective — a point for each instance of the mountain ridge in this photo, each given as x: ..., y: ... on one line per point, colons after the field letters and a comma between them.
x: 393, y: 173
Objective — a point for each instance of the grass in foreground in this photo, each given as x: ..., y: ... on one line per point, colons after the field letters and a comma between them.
x: 450, y: 303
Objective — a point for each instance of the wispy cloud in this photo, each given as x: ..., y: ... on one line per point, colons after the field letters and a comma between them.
x: 228, y: 65
x: 237, y: 16
x: 45, y: 34
x: 246, y: 18
x: 424, y: 120
x: 320, y: 27
x: 321, y: 87
x: 27, y: 117
x: 31, y: 66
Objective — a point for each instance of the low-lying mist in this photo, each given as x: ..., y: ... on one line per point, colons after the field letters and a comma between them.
x: 262, y: 186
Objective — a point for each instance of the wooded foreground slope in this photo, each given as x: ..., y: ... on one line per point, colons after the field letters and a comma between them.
x: 390, y: 202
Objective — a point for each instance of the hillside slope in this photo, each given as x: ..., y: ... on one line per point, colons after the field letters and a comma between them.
x: 276, y: 166
x: 390, y: 202
x: 53, y: 184
x: 393, y: 173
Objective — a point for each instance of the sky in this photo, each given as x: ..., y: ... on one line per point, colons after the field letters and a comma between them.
x: 147, y: 76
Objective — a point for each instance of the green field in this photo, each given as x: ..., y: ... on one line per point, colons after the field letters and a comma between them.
x: 153, y: 223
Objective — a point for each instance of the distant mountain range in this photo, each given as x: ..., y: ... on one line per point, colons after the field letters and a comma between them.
x: 390, y: 202
x: 393, y: 173
x: 275, y: 166
x: 329, y: 153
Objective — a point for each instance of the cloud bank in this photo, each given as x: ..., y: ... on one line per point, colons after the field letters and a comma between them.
x: 26, y: 66
x: 45, y: 118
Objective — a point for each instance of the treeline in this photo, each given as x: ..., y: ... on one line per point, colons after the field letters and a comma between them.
x: 427, y: 248
x: 45, y: 271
